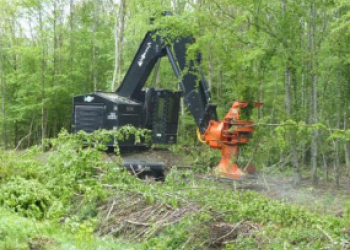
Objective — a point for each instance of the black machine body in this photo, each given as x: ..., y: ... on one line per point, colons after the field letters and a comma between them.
x: 156, y: 110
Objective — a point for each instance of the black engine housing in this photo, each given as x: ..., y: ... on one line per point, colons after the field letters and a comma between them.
x: 157, y: 110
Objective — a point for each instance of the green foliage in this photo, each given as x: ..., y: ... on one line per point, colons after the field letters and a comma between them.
x: 18, y: 233
x: 74, y: 169
x: 26, y: 197
x: 19, y: 164
x: 347, y: 210
x: 78, y: 160
x: 189, y: 233
x: 340, y: 134
x: 291, y: 129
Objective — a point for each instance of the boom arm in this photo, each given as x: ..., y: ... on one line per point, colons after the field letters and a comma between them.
x: 149, y: 52
x: 192, y: 83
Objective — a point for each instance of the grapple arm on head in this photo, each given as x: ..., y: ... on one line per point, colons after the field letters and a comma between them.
x: 228, y: 135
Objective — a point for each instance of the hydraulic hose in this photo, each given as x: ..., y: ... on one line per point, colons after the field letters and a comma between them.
x: 200, y: 137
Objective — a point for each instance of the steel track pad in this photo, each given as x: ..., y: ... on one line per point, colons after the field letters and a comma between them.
x: 145, y: 168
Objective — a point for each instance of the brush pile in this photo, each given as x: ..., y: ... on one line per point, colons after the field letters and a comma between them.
x: 132, y: 216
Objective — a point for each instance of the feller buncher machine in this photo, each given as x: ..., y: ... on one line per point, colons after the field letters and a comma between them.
x: 158, y: 109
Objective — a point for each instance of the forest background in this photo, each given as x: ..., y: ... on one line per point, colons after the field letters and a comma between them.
x: 292, y: 55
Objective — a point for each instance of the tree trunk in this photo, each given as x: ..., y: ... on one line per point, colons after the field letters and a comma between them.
x: 219, y: 92
x: 293, y: 145
x: 287, y: 91
x: 156, y: 75
x: 178, y: 6
x: 71, y: 38
x: 347, y: 144
x: 211, y: 67
x: 16, y: 133
x: 338, y: 116
x: 55, y: 62
x: 15, y: 69
x: 3, y: 100
x: 336, y: 163
x: 261, y: 96
x: 347, y: 157
x: 314, y: 138
x: 119, y: 28
x: 303, y: 115
x: 289, y: 76
x: 314, y: 99
x: 55, y: 40
x: 325, y: 166
x: 43, y: 69
x: 95, y: 23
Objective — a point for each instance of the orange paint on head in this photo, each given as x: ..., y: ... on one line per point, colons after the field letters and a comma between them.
x: 227, y: 135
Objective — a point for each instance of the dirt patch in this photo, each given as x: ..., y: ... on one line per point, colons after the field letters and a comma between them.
x: 39, y: 243
x: 325, y: 197
x: 222, y: 233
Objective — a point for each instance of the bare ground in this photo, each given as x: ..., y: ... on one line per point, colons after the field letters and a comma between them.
x: 326, y: 197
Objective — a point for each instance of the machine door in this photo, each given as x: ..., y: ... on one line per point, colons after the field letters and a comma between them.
x: 165, y: 116
x: 89, y: 117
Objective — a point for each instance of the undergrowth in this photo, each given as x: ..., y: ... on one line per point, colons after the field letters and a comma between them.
x: 53, y: 199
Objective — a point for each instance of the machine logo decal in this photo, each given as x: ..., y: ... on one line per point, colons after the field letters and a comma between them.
x: 112, y: 116
x: 88, y: 98
x: 143, y: 56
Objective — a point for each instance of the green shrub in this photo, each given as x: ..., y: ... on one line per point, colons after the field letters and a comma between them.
x: 26, y: 197
x: 25, y: 164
